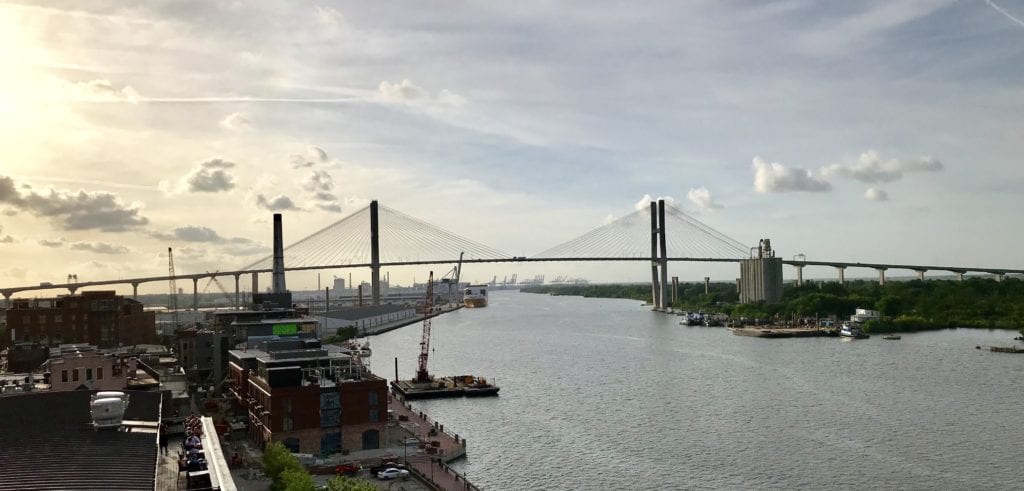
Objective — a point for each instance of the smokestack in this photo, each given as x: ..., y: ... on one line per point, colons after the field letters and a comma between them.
x: 278, y: 280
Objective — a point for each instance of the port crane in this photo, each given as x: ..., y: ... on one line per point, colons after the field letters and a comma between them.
x: 428, y: 309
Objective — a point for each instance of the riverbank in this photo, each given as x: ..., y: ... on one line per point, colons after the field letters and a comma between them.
x: 391, y: 326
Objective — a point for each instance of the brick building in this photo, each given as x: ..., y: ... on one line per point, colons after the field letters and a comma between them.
x: 102, y: 318
x: 314, y: 399
x: 77, y: 366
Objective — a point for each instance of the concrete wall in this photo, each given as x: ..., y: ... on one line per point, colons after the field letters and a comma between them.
x: 761, y: 280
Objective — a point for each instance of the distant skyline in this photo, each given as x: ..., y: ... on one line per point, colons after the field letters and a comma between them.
x: 873, y: 131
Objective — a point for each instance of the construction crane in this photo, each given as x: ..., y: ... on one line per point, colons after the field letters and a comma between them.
x: 173, y: 304
x: 428, y: 307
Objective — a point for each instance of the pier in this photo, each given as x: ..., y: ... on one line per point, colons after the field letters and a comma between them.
x: 437, y: 448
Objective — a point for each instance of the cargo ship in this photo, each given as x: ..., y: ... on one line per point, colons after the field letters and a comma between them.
x: 434, y: 388
x: 475, y: 296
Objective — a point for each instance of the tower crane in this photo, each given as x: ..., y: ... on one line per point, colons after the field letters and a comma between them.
x: 428, y: 310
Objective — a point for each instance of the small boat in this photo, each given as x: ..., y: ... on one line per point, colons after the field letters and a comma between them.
x: 852, y: 329
x: 1006, y: 349
x: 891, y: 337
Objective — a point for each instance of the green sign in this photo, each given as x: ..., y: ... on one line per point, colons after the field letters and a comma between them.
x: 285, y: 329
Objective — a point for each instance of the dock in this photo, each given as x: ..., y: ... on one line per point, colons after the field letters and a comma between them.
x: 441, y: 387
x: 439, y: 447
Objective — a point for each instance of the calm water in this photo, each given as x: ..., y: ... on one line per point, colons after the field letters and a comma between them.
x: 605, y: 394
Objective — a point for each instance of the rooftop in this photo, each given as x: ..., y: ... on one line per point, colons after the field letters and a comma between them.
x: 368, y: 311
x: 49, y: 443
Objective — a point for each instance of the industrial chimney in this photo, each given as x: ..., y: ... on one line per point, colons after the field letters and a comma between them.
x: 278, y: 279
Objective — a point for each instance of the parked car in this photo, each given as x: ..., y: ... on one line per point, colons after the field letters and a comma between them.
x: 385, y: 466
x: 347, y: 469
x: 392, y: 473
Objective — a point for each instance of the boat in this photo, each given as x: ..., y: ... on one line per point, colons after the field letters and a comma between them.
x: 851, y: 329
x: 475, y: 296
x: 891, y: 337
x: 1006, y: 349
x: 457, y: 386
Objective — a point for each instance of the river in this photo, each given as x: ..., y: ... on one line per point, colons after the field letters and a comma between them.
x: 605, y: 394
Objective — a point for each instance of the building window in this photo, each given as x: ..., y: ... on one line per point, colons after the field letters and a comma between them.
x: 64, y: 376
x: 88, y: 374
x: 374, y: 398
x: 99, y: 373
x: 58, y: 318
x: 374, y: 416
x: 74, y: 375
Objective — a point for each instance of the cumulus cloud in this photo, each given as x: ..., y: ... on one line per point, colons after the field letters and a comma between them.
x: 331, y: 207
x: 277, y: 203
x: 408, y: 92
x: 870, y: 168
x: 210, y: 177
x: 875, y: 194
x: 192, y: 233
x: 51, y: 243
x: 319, y: 181
x: 773, y: 177
x: 10, y: 212
x: 645, y: 202
x: 75, y: 210
x: 99, y: 247
x: 313, y: 156
x: 702, y: 198
x: 236, y: 122
x: 7, y: 239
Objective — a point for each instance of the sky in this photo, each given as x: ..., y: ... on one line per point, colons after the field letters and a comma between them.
x: 884, y: 131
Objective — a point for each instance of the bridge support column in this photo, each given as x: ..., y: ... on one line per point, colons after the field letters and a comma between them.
x: 72, y: 289
x: 655, y: 287
x: 255, y: 283
x: 707, y: 285
x: 999, y: 276
x: 675, y: 289
x: 195, y: 294
x: 799, y: 275
x: 881, y: 276
x: 135, y: 290
x: 920, y: 274
x: 7, y: 299
x: 664, y: 253
x: 237, y: 276
x: 842, y: 274
x: 374, y: 253
x: 737, y: 285
x: 959, y: 275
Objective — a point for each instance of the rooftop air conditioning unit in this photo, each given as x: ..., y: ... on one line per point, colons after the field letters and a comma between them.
x: 107, y: 409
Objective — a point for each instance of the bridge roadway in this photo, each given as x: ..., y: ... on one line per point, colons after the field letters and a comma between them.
x: 839, y: 265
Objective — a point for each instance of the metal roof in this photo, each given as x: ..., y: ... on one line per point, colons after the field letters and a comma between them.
x: 49, y: 443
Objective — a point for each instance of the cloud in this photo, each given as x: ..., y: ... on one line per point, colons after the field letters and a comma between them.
x: 10, y: 212
x: 875, y: 194
x: 100, y: 90
x: 313, y: 156
x: 7, y: 239
x: 236, y: 122
x: 75, y: 211
x: 773, y: 177
x: 319, y: 181
x: 192, y: 233
x: 210, y: 177
x: 870, y: 168
x: 408, y: 92
x: 332, y: 207
x: 645, y: 202
x: 17, y: 272
x: 51, y: 243
x: 329, y: 16
x: 277, y: 203
x: 99, y: 247
x: 702, y: 198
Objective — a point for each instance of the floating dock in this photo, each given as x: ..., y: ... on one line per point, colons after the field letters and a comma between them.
x: 440, y: 387
x: 783, y: 332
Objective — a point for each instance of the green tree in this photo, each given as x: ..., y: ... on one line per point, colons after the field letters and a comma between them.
x: 297, y: 480
x: 342, y: 483
x: 276, y: 460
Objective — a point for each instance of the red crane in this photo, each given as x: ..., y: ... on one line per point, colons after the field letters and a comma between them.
x: 428, y: 308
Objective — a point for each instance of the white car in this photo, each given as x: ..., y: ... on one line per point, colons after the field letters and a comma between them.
x: 392, y: 473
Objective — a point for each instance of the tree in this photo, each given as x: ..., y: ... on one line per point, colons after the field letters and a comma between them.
x: 276, y: 461
x: 297, y: 480
x: 342, y: 483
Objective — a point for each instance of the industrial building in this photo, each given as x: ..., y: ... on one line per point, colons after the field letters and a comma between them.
x: 102, y: 318
x: 366, y: 317
x: 313, y: 398
x: 761, y: 275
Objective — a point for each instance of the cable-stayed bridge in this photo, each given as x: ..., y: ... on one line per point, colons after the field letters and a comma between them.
x: 378, y: 236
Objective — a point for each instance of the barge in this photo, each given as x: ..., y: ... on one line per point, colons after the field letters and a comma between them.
x: 782, y: 332
x: 440, y: 387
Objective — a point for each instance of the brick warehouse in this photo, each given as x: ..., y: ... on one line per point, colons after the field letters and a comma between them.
x: 314, y: 399
x: 102, y: 318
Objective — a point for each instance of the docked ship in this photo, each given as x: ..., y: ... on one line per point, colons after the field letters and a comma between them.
x: 475, y: 296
